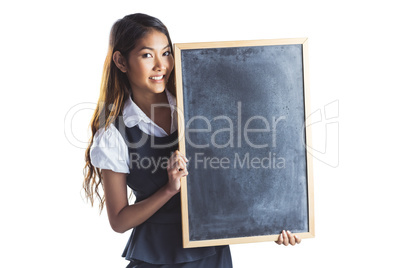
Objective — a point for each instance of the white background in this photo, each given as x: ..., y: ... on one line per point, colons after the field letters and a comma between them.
x: 51, y: 60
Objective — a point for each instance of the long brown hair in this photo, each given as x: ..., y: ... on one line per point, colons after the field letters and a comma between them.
x: 115, y: 89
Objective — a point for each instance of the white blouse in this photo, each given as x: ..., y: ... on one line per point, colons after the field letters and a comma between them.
x: 109, y: 150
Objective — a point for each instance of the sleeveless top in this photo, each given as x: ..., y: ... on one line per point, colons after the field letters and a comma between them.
x: 159, y: 239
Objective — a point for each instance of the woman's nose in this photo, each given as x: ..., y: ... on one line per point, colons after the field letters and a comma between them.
x: 159, y: 65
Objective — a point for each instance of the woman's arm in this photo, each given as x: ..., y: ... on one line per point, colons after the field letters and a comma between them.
x: 123, y: 216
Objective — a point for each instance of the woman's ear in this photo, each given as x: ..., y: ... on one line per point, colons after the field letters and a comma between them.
x: 120, y: 61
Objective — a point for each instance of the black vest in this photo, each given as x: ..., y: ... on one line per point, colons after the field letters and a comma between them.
x: 159, y: 239
x: 148, y: 156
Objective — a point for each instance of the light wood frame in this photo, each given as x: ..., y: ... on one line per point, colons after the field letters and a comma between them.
x: 181, y: 132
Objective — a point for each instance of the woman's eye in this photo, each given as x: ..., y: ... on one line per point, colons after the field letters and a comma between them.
x: 167, y: 53
x: 147, y: 55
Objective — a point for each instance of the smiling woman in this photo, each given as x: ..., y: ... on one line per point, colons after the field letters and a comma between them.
x: 134, y: 103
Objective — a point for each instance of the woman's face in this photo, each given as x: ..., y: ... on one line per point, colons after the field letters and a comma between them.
x: 150, y: 63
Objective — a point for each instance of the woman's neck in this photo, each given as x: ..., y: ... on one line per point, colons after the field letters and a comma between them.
x: 159, y: 114
x: 145, y: 101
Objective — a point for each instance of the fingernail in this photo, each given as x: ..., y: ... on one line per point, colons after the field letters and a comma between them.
x: 288, y: 232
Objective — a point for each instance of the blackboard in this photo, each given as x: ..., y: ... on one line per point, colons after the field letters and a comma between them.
x: 242, y: 108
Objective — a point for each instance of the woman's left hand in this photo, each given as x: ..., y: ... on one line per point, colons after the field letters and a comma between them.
x: 286, y: 238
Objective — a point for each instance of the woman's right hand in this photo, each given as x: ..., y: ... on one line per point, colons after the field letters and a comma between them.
x: 176, y: 169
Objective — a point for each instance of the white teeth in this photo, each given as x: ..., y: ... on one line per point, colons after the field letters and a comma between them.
x: 156, y: 77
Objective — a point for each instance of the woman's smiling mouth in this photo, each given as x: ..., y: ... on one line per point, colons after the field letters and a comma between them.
x: 157, y: 77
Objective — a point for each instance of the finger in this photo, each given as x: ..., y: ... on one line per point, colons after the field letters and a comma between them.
x: 177, y: 154
x: 180, y: 165
x: 183, y: 173
x: 280, y: 240
x: 177, y: 175
x: 285, y: 238
x: 292, y: 240
x: 172, y: 162
x: 175, y: 157
x: 182, y: 155
x: 298, y: 239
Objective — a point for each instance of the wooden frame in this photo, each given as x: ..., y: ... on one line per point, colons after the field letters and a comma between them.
x: 178, y: 49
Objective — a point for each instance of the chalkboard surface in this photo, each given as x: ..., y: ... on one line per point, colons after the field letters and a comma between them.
x: 243, y: 112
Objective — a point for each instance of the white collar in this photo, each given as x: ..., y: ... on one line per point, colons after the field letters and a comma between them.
x: 132, y: 114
